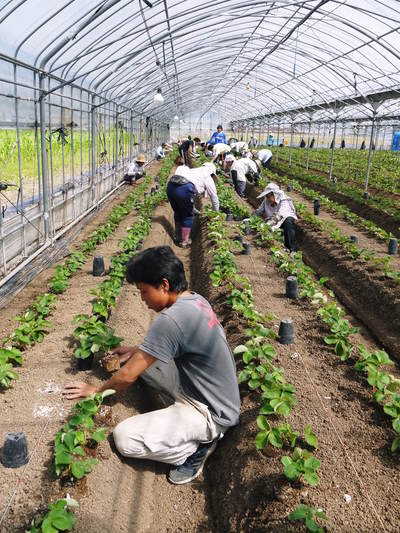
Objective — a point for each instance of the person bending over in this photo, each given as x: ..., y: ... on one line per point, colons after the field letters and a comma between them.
x: 136, y: 170
x: 265, y: 156
x: 279, y: 211
x: 181, y: 190
x: 186, y: 357
x: 239, y: 169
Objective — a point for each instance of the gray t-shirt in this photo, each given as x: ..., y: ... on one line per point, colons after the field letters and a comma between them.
x: 189, y: 333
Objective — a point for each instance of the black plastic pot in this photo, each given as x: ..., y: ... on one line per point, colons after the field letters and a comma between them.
x: 366, y: 195
x: 156, y: 179
x: 153, y: 190
x: 238, y: 238
x: 246, y: 248
x: 289, y: 188
x: 316, y: 207
x: 393, y: 247
x: 98, y: 266
x: 229, y: 217
x: 139, y: 246
x: 354, y: 239
x: 86, y: 364
x: 286, y: 331
x: 15, y: 450
x: 292, y: 287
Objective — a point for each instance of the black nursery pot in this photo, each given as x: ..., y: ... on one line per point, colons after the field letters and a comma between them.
x: 98, y: 266
x: 15, y: 450
x: 292, y: 287
x: 229, y: 217
x: 246, y: 248
x: 316, y: 207
x: 153, y: 190
x: 86, y: 364
x: 354, y: 239
x: 286, y: 331
x: 393, y: 247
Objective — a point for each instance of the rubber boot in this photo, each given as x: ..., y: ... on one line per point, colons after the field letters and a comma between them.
x: 185, y: 237
x: 178, y: 233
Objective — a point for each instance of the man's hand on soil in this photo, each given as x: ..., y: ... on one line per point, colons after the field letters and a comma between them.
x: 78, y: 390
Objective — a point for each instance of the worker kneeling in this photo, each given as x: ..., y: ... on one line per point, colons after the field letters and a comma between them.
x: 279, y: 211
x: 185, y: 356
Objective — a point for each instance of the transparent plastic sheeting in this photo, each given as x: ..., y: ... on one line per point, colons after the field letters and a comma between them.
x: 237, y: 58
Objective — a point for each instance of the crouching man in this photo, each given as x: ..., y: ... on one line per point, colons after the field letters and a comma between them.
x: 184, y: 355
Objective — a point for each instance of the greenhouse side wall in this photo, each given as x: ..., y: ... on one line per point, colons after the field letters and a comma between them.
x: 88, y: 142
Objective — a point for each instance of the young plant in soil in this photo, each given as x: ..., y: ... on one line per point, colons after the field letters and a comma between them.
x: 310, y: 516
x: 301, y: 464
x: 72, y: 441
x: 58, y: 518
x: 94, y: 336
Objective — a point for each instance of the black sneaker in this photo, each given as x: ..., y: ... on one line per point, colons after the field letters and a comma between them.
x: 193, y: 466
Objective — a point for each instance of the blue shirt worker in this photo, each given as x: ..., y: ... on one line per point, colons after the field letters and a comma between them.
x: 218, y: 136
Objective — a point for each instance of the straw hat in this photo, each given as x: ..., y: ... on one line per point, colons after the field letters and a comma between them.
x: 141, y: 158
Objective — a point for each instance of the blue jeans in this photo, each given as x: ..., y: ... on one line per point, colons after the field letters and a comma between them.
x: 181, y: 198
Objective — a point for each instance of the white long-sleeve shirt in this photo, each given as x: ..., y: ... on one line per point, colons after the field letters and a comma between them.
x: 264, y: 155
x: 221, y: 148
x: 240, y: 146
x: 242, y: 167
x: 202, y: 181
x: 135, y: 168
x: 160, y: 152
x: 284, y: 208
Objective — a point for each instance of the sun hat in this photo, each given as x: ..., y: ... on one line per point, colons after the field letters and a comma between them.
x: 230, y: 158
x: 141, y: 158
x: 271, y: 187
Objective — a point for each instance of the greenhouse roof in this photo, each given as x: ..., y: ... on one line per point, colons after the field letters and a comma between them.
x: 241, y: 59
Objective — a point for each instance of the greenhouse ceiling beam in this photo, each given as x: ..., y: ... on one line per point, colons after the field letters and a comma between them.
x: 271, y: 51
x: 353, y: 100
x: 100, y: 11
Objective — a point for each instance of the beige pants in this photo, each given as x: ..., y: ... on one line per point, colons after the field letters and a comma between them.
x: 167, y: 435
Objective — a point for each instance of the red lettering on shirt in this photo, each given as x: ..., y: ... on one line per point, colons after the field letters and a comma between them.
x: 208, y: 312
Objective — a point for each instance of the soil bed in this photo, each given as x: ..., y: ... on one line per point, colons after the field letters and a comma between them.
x: 383, y: 220
x: 248, y: 491
x: 373, y: 300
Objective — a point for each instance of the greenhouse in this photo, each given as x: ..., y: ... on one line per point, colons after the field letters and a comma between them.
x: 199, y: 266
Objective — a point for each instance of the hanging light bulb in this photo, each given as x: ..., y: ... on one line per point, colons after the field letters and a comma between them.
x: 176, y: 117
x: 158, y: 97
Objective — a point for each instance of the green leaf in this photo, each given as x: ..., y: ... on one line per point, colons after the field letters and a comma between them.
x: 300, y: 513
x: 312, y: 463
x: 62, y: 520
x: 275, y: 438
x: 311, y: 478
x: 396, y: 444
x: 47, y: 526
x: 291, y: 471
x: 240, y: 349
x: 286, y: 460
x: 261, y: 440
x: 311, y: 438
x: 262, y: 423
x: 396, y: 425
x: 312, y: 525
x: 78, y: 470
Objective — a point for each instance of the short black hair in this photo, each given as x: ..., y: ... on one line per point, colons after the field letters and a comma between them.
x: 153, y: 265
x: 219, y: 126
